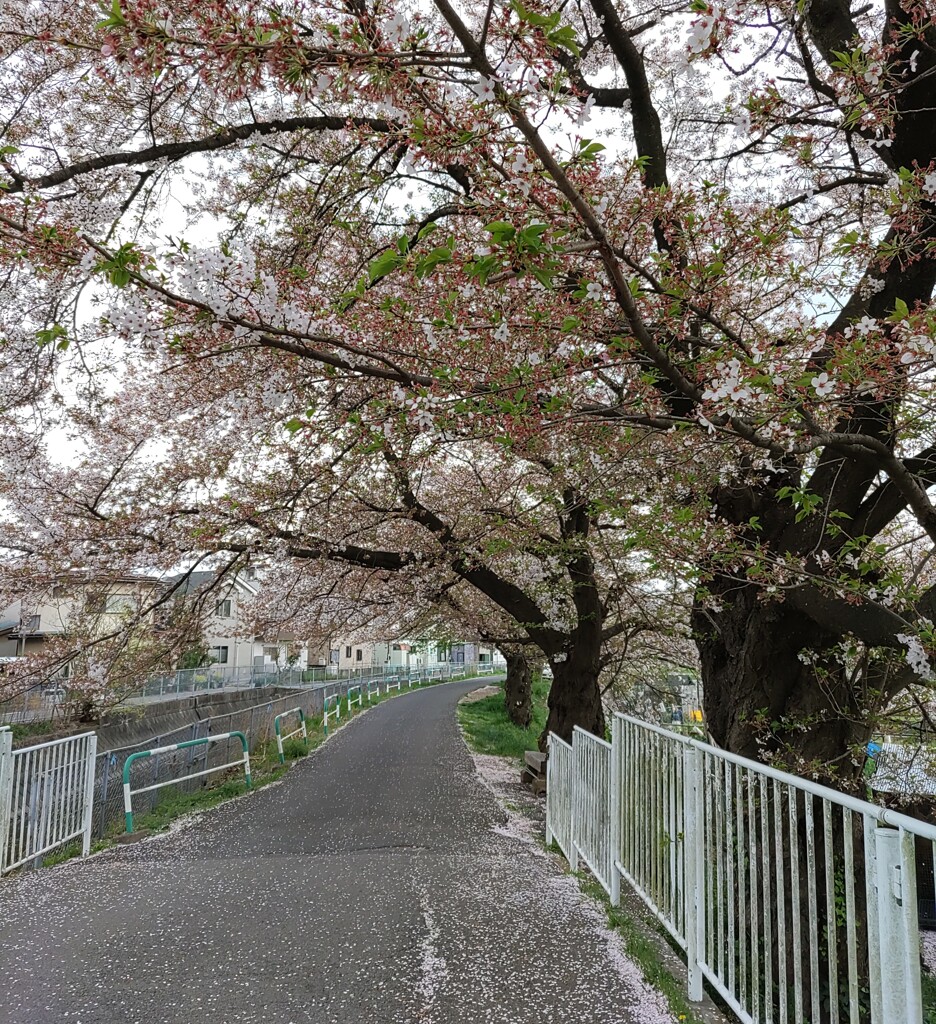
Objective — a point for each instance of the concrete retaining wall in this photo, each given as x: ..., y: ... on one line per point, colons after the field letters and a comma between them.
x: 160, y: 717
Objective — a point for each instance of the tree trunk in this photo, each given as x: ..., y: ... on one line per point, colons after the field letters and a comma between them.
x: 765, y: 698
x: 518, y: 687
x: 575, y: 697
x: 763, y: 701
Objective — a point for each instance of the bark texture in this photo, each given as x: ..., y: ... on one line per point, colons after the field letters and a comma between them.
x: 518, y: 687
x: 575, y: 697
x: 761, y: 700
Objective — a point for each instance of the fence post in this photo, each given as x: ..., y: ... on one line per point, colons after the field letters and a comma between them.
x: 694, y: 840
x: 911, y: 928
x: 6, y: 792
x: 895, y: 956
x: 574, y: 814
x: 617, y: 785
x: 549, y: 833
x: 89, y: 794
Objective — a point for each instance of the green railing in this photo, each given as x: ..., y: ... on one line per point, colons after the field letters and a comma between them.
x: 128, y: 764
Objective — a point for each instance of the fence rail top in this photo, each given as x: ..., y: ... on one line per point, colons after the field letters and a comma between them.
x: 590, y: 735
x: 882, y: 814
x: 553, y: 738
x: 55, y: 743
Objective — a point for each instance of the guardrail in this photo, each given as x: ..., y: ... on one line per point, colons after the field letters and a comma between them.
x: 793, y: 901
x: 373, y: 690
x: 46, y: 797
x: 331, y: 712
x: 359, y: 699
x: 279, y: 734
x: 130, y: 793
x: 395, y: 685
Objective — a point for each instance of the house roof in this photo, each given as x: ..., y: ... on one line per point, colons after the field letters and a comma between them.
x: 192, y: 582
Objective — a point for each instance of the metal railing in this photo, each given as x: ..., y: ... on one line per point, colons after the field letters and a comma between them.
x: 559, y: 775
x: 299, y: 730
x: 128, y: 792
x: 793, y: 901
x: 38, y: 703
x: 46, y: 797
x: 332, y: 710
x: 591, y: 759
x: 355, y: 695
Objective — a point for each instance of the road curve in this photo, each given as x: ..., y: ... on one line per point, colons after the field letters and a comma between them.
x: 374, y: 885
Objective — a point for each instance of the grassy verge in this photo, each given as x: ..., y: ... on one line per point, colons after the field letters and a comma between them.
x: 644, y: 951
x: 265, y: 768
x: 36, y: 730
x: 489, y: 731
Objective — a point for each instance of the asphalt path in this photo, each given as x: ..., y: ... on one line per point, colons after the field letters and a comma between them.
x: 379, y: 883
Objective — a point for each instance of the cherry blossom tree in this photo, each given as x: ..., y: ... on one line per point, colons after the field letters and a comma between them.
x: 383, y: 230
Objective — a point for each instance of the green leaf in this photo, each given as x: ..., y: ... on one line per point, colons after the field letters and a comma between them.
x: 385, y: 264
x: 441, y: 254
x: 293, y: 425
x: 544, y: 276
x: 567, y: 39
x: 901, y: 311
x: 54, y: 335
x: 483, y: 268
x: 501, y: 231
x: 115, y: 19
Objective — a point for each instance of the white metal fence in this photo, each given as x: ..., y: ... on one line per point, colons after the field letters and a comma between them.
x: 796, y: 903
x: 46, y: 797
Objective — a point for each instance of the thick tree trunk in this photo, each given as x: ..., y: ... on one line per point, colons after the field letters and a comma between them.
x: 763, y: 700
x: 518, y: 687
x: 575, y: 697
x: 764, y: 697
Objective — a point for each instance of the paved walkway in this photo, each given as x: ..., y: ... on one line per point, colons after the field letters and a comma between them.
x: 376, y: 884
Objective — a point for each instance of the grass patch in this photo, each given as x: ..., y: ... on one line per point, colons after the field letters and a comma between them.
x: 643, y: 951
x: 489, y: 731
x: 36, y: 730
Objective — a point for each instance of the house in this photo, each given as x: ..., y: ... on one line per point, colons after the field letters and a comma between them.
x: 95, y: 603
x: 409, y: 655
x: 231, y: 644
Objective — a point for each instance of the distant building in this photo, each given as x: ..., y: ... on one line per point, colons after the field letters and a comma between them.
x: 96, y: 604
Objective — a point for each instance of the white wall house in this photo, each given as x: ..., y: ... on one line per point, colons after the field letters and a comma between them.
x: 410, y: 655
x: 79, y: 601
x: 232, y: 646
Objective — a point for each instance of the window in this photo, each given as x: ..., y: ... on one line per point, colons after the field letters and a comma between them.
x: 271, y: 653
x: 219, y: 655
x: 359, y: 655
x: 347, y: 652
x: 223, y: 608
